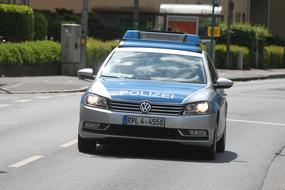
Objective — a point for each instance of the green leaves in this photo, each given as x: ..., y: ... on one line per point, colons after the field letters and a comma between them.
x: 273, y: 57
x: 17, y: 22
x: 97, y: 51
x: 220, y: 53
x: 30, y: 53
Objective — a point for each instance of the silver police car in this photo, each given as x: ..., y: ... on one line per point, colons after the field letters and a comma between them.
x: 158, y: 87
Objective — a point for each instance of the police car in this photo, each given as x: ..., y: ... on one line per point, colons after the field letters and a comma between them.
x: 159, y: 87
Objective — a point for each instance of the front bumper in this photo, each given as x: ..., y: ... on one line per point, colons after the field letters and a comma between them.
x: 171, y: 133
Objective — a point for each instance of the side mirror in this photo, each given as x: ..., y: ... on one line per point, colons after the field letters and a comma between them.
x: 223, y: 83
x: 85, y: 74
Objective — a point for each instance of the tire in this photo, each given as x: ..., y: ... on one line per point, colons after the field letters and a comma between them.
x: 86, y: 145
x: 221, y: 144
x: 211, y: 151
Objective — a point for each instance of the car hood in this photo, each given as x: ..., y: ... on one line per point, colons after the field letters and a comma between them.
x: 140, y: 90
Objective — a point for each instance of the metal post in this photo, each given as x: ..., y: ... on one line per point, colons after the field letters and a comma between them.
x: 228, y: 46
x: 136, y: 14
x: 212, y: 30
x: 84, y: 35
x: 268, y: 14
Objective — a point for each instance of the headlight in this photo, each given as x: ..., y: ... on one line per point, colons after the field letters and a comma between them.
x: 96, y: 101
x: 197, y: 108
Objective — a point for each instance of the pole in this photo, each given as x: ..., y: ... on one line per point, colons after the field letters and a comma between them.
x: 136, y: 14
x: 228, y: 45
x: 84, y: 35
x: 212, y: 30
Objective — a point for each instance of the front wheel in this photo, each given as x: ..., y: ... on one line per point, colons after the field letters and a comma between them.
x: 211, y: 151
x: 86, y: 145
x: 221, y: 144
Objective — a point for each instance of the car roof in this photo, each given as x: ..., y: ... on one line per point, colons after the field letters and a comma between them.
x: 174, y: 41
x: 159, y: 50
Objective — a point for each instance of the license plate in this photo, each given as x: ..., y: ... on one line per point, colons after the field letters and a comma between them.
x: 144, y: 121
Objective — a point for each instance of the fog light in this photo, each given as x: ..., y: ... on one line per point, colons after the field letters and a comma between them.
x: 95, y: 126
x: 92, y: 125
x: 194, y: 133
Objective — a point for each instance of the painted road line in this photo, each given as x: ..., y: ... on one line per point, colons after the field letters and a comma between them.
x: 4, y: 105
x: 43, y: 97
x: 25, y: 162
x: 9, y: 123
x: 256, y: 122
x: 261, y: 95
x: 9, y: 98
x: 14, y: 86
x: 68, y: 144
x: 22, y: 100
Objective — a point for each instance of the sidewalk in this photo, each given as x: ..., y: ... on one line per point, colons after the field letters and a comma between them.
x: 42, y: 84
x: 65, y: 84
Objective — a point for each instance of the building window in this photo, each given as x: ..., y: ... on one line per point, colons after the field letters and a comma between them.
x: 243, y: 17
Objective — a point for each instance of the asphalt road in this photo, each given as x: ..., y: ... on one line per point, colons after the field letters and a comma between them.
x: 38, y: 147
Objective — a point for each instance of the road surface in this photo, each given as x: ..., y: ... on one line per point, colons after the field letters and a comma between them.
x: 38, y: 147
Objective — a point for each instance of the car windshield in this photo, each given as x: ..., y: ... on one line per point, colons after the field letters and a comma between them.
x: 155, y: 66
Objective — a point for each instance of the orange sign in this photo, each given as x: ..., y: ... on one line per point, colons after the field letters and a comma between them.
x: 217, y: 31
x: 182, y: 26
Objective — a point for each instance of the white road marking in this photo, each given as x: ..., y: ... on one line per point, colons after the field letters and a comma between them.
x: 9, y: 123
x: 68, y: 144
x: 256, y: 122
x: 9, y: 98
x: 43, y: 97
x: 261, y: 95
x: 14, y: 86
x: 25, y: 162
x: 4, y: 105
x: 62, y: 95
x: 22, y: 100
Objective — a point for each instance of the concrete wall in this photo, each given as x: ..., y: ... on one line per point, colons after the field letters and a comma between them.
x: 258, y: 14
x: 122, y: 5
x: 277, y: 13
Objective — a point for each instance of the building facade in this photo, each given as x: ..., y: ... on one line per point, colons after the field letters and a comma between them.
x: 259, y: 12
x: 23, y: 2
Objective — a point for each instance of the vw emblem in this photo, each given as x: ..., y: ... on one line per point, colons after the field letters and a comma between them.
x: 145, y: 107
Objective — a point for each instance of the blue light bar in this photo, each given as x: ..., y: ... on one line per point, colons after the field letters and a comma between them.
x: 162, y: 37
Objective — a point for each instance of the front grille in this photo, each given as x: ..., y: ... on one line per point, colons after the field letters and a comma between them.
x: 156, y: 108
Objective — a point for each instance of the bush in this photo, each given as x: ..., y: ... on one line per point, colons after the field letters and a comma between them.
x: 273, y: 57
x: 97, y: 51
x: 244, y: 34
x: 220, y: 52
x: 40, y: 26
x: 30, y: 53
x: 55, y: 19
x: 17, y: 22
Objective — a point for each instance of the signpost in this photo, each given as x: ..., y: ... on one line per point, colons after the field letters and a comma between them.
x: 84, y: 34
x: 212, y: 29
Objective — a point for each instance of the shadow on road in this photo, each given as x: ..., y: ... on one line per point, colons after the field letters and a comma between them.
x: 161, y: 151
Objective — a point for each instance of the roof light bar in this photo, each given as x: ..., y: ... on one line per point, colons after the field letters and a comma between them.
x: 162, y: 37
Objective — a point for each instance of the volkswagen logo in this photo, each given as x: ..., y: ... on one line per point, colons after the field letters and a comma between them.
x: 145, y: 107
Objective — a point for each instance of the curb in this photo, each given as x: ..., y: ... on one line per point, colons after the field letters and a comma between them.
x: 257, y: 78
x: 46, y: 91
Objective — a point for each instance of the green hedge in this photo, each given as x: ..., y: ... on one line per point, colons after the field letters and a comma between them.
x: 17, y: 22
x: 244, y: 34
x: 55, y: 19
x: 30, y: 53
x: 40, y: 26
x: 220, y: 56
x: 97, y: 51
x: 273, y: 57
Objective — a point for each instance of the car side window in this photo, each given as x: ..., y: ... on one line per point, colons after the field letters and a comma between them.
x: 214, y: 74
